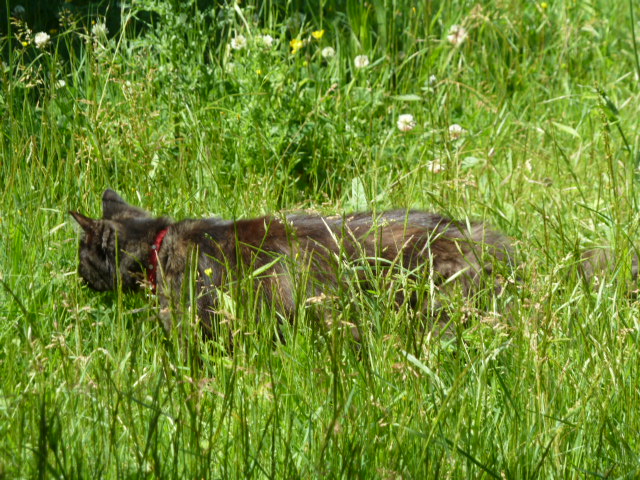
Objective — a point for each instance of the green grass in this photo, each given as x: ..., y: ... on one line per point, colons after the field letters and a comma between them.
x: 543, y: 384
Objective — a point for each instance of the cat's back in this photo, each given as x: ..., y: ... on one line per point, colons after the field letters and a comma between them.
x: 277, y: 230
x: 362, y: 222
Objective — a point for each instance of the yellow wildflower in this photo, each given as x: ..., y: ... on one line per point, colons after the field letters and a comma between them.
x: 208, y: 272
x: 317, y: 34
x: 296, y: 44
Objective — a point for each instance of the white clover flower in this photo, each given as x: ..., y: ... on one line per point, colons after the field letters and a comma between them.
x: 361, y: 61
x: 238, y: 42
x: 99, y: 30
x: 61, y: 83
x: 406, y: 122
x: 328, y: 52
x: 457, y: 35
x: 433, y: 80
x: 41, y: 39
x: 435, y: 166
x: 229, y: 67
x: 266, y: 40
x: 456, y: 131
x: 528, y: 166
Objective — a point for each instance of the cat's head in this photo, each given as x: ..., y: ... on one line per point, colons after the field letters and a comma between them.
x: 115, y: 247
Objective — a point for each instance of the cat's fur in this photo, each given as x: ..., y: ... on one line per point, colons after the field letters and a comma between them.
x: 115, y: 250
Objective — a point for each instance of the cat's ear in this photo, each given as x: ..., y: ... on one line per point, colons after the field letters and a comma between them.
x: 114, y: 207
x: 87, y: 224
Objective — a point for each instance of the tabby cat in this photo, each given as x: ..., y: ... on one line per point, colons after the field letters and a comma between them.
x: 130, y: 248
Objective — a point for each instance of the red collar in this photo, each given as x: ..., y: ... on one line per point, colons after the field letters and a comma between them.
x: 153, y: 258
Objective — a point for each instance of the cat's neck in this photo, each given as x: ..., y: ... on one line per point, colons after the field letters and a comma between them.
x: 154, y: 251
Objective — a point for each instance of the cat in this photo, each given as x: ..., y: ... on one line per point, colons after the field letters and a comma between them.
x: 292, y: 258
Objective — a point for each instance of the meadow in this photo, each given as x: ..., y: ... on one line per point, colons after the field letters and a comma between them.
x: 522, y: 114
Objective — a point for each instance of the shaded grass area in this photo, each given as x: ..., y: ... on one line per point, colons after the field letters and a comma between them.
x: 542, y: 383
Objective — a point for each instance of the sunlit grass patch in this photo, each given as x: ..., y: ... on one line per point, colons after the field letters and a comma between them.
x: 522, y: 115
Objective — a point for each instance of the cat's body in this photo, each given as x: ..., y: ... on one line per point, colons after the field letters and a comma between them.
x: 290, y: 258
